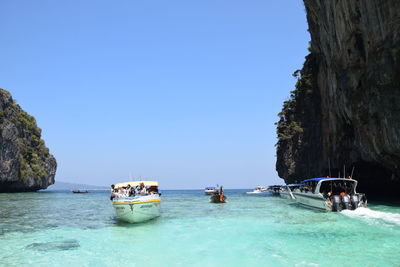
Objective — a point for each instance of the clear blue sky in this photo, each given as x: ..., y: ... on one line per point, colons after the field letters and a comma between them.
x: 185, y: 92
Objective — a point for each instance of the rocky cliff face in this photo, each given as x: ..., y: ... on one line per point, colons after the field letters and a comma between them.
x: 25, y: 162
x: 345, y: 110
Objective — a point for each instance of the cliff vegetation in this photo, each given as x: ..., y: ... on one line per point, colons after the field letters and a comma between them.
x: 25, y: 163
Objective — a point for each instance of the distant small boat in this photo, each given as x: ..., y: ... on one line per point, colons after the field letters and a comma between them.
x: 210, y: 190
x: 218, y: 196
x: 79, y: 191
x: 258, y: 190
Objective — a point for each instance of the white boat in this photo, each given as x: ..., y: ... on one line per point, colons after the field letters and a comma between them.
x: 286, y: 191
x: 140, y: 207
x: 330, y: 194
x: 210, y: 190
x: 258, y: 190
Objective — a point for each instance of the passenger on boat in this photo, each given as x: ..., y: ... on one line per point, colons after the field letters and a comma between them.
x: 112, y: 191
x: 328, y: 197
x: 143, y: 191
x: 132, y: 192
x: 119, y: 190
x: 307, y: 188
x: 139, y: 188
x: 221, y: 194
x: 128, y: 190
x: 122, y: 191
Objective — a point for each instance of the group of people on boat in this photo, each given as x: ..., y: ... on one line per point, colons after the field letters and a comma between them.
x: 130, y: 191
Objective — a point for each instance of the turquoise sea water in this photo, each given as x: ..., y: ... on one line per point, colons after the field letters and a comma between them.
x: 65, y: 229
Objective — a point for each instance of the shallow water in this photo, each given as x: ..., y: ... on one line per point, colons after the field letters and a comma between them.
x: 65, y: 229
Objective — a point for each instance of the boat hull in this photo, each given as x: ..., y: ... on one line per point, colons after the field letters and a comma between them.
x: 286, y: 195
x: 312, y: 200
x: 273, y: 193
x: 257, y: 192
x: 317, y: 201
x: 136, y: 210
x: 216, y: 198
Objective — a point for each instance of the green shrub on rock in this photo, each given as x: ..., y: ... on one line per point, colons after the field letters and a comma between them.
x: 33, y: 153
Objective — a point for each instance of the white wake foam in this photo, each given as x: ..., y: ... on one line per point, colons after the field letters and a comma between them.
x: 373, y: 216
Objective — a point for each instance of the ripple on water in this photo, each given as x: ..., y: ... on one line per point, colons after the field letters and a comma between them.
x: 55, y: 246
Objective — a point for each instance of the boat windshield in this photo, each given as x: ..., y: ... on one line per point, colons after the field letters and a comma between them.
x: 337, y: 186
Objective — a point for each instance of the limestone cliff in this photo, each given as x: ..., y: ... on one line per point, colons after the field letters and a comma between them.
x: 25, y: 162
x: 345, y: 110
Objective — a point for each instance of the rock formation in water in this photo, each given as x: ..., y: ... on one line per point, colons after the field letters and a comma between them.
x: 345, y: 110
x: 25, y: 161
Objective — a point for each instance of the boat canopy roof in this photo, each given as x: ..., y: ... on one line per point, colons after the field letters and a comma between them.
x: 316, y: 179
x: 210, y: 187
x: 136, y: 183
x: 275, y: 186
x: 326, y: 178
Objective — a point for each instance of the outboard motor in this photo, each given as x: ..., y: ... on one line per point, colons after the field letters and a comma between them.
x: 346, y: 202
x: 354, y: 202
x: 336, y: 203
x: 363, y: 200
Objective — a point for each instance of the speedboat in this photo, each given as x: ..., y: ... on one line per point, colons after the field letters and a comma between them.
x: 258, y: 190
x: 330, y: 194
x: 210, y: 190
x: 274, y: 190
x: 286, y: 191
x: 136, y: 201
